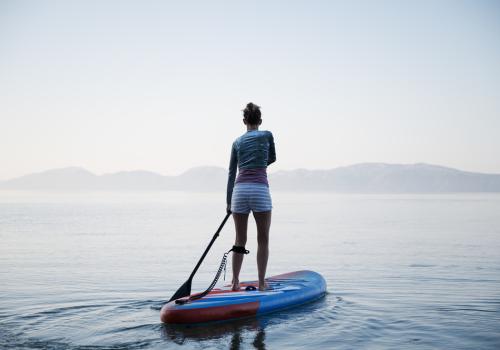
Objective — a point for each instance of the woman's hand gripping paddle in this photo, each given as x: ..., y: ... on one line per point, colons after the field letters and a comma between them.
x: 185, y: 289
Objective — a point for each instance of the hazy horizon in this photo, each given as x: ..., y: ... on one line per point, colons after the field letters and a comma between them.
x: 357, y: 178
x: 122, y: 85
x: 270, y: 170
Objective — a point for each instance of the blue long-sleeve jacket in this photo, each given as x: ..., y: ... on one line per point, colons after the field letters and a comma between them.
x: 252, y: 150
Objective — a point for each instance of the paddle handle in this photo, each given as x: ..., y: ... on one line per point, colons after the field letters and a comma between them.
x: 209, y: 245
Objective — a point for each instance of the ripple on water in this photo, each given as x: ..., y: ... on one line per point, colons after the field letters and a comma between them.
x: 401, y: 274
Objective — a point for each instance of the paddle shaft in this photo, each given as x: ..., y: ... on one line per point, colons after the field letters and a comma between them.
x: 185, y: 289
x: 209, y: 246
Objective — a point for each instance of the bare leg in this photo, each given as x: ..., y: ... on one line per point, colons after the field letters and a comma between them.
x: 240, y: 224
x: 263, y: 221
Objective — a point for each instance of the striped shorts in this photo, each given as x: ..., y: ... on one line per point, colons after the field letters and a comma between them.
x: 250, y: 196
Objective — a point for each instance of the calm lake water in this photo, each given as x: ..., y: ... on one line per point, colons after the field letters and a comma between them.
x: 91, y: 270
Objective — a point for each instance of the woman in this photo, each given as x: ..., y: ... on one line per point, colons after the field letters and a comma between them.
x: 251, y: 153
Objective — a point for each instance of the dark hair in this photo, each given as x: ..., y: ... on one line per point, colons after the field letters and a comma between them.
x: 251, y: 113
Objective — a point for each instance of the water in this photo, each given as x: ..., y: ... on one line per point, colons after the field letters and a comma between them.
x: 91, y: 270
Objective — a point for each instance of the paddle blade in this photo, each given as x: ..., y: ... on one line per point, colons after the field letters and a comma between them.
x: 183, y: 291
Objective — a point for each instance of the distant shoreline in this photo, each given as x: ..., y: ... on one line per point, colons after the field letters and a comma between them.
x: 363, y: 178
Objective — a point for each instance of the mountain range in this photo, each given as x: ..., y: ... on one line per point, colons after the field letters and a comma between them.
x: 357, y: 178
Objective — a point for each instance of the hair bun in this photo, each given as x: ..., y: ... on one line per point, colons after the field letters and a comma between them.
x: 252, y: 113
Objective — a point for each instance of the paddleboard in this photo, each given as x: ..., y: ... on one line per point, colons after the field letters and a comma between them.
x: 285, y: 291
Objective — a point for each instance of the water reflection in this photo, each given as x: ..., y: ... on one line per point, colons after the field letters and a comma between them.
x: 235, y: 332
x: 258, y: 342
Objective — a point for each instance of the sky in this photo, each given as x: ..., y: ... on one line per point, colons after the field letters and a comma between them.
x: 160, y: 85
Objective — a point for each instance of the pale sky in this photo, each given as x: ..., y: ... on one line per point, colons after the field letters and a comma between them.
x: 159, y: 85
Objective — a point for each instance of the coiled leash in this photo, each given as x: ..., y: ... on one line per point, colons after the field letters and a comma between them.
x: 222, y: 267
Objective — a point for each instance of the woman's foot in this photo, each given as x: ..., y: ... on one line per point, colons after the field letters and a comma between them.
x: 236, y: 285
x: 263, y: 286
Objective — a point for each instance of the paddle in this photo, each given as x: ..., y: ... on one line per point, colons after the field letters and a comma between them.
x: 185, y: 289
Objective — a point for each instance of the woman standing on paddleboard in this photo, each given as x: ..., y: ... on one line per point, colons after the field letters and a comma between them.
x: 251, y: 153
